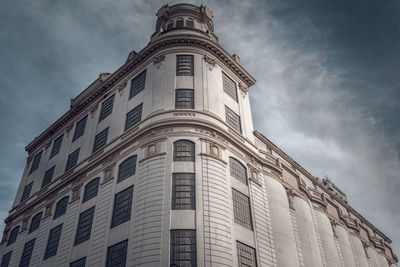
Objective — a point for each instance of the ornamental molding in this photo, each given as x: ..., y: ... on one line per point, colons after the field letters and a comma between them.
x: 121, y: 87
x: 157, y: 61
x: 243, y: 89
x: 93, y: 109
x: 210, y: 62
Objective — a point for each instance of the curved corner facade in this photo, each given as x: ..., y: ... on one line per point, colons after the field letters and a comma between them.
x: 158, y: 164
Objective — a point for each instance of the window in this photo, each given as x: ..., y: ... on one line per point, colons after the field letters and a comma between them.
x: 27, y: 191
x: 61, y: 207
x: 56, y: 146
x: 13, y: 236
x: 27, y: 253
x: 100, y: 140
x: 183, y: 191
x: 35, y: 162
x: 78, y: 263
x: 184, y: 65
x: 237, y: 170
x: 232, y: 119
x: 229, y: 86
x: 184, y: 150
x: 84, y: 226
x: 134, y: 116
x: 48, y: 176
x: 6, y: 259
x: 184, y: 99
x: 183, y: 248
x: 241, y: 209
x: 80, y: 128
x: 127, y: 168
x: 170, y: 25
x: 106, y: 108
x: 179, y: 23
x: 116, y: 254
x: 35, y: 222
x: 138, y: 84
x: 122, y: 207
x: 246, y: 255
x: 190, y: 23
x: 52, y: 243
x: 72, y: 160
x: 91, y: 189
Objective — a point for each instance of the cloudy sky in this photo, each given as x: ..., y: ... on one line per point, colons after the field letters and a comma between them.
x: 327, y: 91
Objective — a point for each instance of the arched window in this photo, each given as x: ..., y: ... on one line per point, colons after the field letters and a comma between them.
x: 179, y: 23
x: 13, y: 235
x: 190, y: 23
x: 184, y: 150
x: 35, y: 223
x: 61, y: 207
x: 170, y: 25
x: 237, y: 170
x: 91, y: 189
x: 127, y: 168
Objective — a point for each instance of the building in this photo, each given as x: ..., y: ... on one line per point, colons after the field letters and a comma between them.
x: 158, y: 164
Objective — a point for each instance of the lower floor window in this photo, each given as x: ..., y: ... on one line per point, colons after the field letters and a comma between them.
x: 246, y: 255
x: 116, y: 254
x: 183, y: 248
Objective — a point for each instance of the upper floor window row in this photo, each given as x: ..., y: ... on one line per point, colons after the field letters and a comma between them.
x: 100, y: 139
x: 56, y: 146
x: 35, y: 223
x: 133, y: 117
x: 233, y: 120
x: 184, y: 150
x: 180, y: 23
x: 27, y: 191
x: 91, y: 189
x: 238, y: 170
x: 184, y: 65
x: 137, y: 85
x: 61, y: 207
x: 80, y: 128
x: 13, y: 235
x: 106, y: 108
x: 35, y: 162
x: 48, y: 176
x: 184, y: 99
x: 72, y: 160
x: 229, y: 86
x: 127, y: 168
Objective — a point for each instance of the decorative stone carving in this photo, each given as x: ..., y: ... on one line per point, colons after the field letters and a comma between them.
x: 93, y: 109
x: 151, y: 149
x: 69, y: 128
x: 108, y: 173
x: 76, y: 193
x: 49, y: 208
x: 121, y: 88
x: 29, y: 158
x: 214, y: 150
x: 290, y: 195
x: 5, y: 235
x: 211, y: 134
x: 47, y: 145
x: 333, y: 224
x: 25, y: 222
x: 157, y: 61
x: 154, y: 133
x: 244, y: 89
x: 110, y: 159
x: 210, y: 62
x: 185, y: 114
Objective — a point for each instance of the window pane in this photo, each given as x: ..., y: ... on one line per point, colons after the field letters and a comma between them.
x: 183, y: 248
x: 106, y: 108
x: 27, y: 191
x: 61, y: 207
x: 52, y: 243
x: 35, y: 162
x: 122, y: 207
x: 229, y: 86
x: 6, y: 259
x: 80, y: 128
x: 35, y: 223
x: 100, y: 140
x: 116, y: 254
x: 134, y: 116
x: 138, y: 84
x: 184, y: 65
x: 56, y: 146
x: 184, y: 99
x: 72, y: 159
x: 91, y: 189
x: 183, y: 191
x: 241, y: 209
x: 237, y: 170
x: 27, y: 253
x: 127, y: 168
x: 246, y: 255
x: 84, y: 226
x: 190, y: 23
x: 179, y: 23
x: 184, y: 151
x: 232, y: 119
x: 78, y: 263
x: 13, y: 236
x: 48, y: 176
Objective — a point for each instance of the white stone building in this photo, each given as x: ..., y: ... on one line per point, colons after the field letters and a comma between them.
x: 158, y: 164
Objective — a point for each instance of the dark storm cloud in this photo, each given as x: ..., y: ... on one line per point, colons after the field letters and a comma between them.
x: 327, y: 75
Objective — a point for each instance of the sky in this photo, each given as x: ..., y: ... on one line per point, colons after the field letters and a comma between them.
x: 327, y: 91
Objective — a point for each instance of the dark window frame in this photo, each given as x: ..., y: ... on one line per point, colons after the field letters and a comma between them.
x: 27, y: 253
x: 48, y: 176
x: 233, y: 119
x: 179, y: 252
x: 56, y: 146
x: 84, y: 227
x: 107, y: 107
x: 61, y: 207
x: 100, y: 139
x: 36, y: 162
x: 122, y: 207
x: 184, y: 99
x: 72, y: 160
x: 238, y: 170
x: 78, y: 263
x: 27, y: 192
x: 134, y: 116
x: 35, y: 222
x: 13, y: 235
x: 242, y: 209
x: 138, y: 84
x: 184, y: 65
x: 183, y: 154
x: 183, y: 190
x: 250, y: 256
x: 227, y: 83
x: 125, y: 170
x: 116, y: 254
x: 91, y: 189
x: 53, y: 242
x: 5, y: 261
x: 80, y: 128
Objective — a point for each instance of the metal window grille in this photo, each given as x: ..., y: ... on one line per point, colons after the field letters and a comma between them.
x: 52, y: 243
x: 116, y: 254
x: 6, y: 259
x: 35, y: 222
x: 127, y: 168
x: 232, y: 119
x: 138, y: 84
x: 229, y: 86
x: 246, y: 255
x: 134, y: 116
x: 13, y: 236
x: 84, y: 226
x: 184, y: 151
x: 100, y: 139
x: 184, y: 65
x: 48, y: 176
x: 27, y: 191
x: 91, y: 189
x: 61, y: 207
x: 72, y: 160
x: 35, y: 162
x: 27, y: 253
x: 237, y: 170
x: 184, y: 99
x: 78, y: 263
x: 122, y: 207
x: 183, y: 248
x: 190, y: 23
x: 56, y: 146
x: 241, y: 209
x: 183, y: 191
x: 106, y: 108
x: 80, y: 128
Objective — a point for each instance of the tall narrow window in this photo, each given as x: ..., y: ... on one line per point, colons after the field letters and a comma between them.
x: 35, y: 223
x: 80, y: 128
x: 170, y: 25
x: 52, y: 243
x: 233, y: 120
x: 100, y: 139
x: 13, y: 236
x: 84, y: 226
x: 138, y: 84
x: 127, y: 168
x: 35, y: 162
x: 184, y: 65
x: 183, y: 150
x: 183, y: 248
x: 116, y: 254
x: 190, y: 23
x: 61, y: 207
x: 184, y: 99
x: 241, y: 209
x: 5, y: 261
x: 229, y: 86
x: 56, y: 146
x: 106, y: 108
x: 133, y: 117
x: 27, y: 253
x: 122, y: 207
x: 183, y: 191
x: 27, y: 191
x: 179, y: 23
x: 78, y: 263
x: 246, y: 255
x: 91, y: 189
x: 48, y: 176
x: 72, y: 160
x: 237, y: 170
